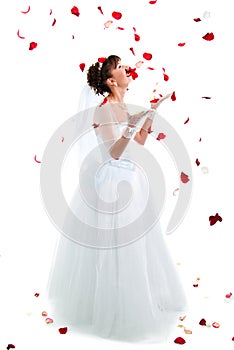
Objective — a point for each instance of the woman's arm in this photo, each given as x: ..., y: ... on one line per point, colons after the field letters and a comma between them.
x: 142, y: 135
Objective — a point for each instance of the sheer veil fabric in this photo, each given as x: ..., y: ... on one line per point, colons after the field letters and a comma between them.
x: 107, y: 280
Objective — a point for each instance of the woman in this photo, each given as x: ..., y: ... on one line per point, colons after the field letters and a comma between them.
x: 124, y: 286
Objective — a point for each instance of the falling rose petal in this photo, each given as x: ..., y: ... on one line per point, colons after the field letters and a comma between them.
x: 82, y: 66
x: 51, y: 12
x: 38, y: 161
x: 49, y: 320
x: 147, y: 56
x: 155, y: 100
x: 137, y: 37
x: 214, y: 219
x: 75, y: 11
x: 20, y: 36
x: 10, y: 346
x: 44, y: 313
x: 116, y: 15
x: 32, y: 45
x: 181, y: 44
x: 161, y: 136
x: 173, y: 96
x: 206, y: 97
x: 200, y: 139
x: 36, y: 295
x: 179, y: 340
x: 197, y: 19
x: 150, y: 130
x: 139, y: 64
x: 150, y: 68
x: 132, y: 50
x: 165, y: 77
x: 187, y: 331
x: 101, y: 59
x: 202, y: 322
x: 100, y: 9
x: 103, y: 102
x: 27, y: 11
x: 63, y: 330
x: 184, y: 178
x: 232, y: 338
x: 133, y: 73
x: 186, y: 121
x: 195, y: 285
x: 120, y: 28
x: 62, y: 139
x: 54, y: 21
x: 208, y: 36
x: 152, y: 2
x: 177, y: 189
x: 197, y: 162
x: 108, y: 24
x: 73, y: 36
x: 215, y: 324
x: 229, y: 295
x: 182, y: 318
x: 95, y: 125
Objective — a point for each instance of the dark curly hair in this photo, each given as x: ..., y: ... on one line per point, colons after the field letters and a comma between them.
x: 99, y: 73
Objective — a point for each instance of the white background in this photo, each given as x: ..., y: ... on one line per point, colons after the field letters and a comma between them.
x: 40, y: 90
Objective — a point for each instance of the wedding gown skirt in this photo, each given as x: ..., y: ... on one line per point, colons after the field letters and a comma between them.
x: 129, y: 293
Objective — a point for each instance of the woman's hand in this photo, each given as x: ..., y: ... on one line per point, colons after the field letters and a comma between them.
x: 157, y: 104
x: 135, y: 118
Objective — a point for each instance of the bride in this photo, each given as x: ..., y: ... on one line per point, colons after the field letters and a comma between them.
x: 122, y: 283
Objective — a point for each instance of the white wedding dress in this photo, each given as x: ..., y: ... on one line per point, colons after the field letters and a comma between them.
x: 111, y: 281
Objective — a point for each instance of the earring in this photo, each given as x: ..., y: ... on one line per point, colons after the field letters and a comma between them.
x: 115, y: 84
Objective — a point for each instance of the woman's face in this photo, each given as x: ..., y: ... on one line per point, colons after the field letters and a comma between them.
x: 121, y: 75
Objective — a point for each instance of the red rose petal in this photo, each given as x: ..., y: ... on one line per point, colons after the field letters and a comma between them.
x: 206, y: 97
x: 116, y: 15
x: 228, y: 295
x: 75, y: 11
x: 73, y: 37
x: 10, y: 346
x: 63, y: 330
x: 186, y: 121
x: 62, y: 139
x: 54, y: 21
x: 195, y: 285
x: 197, y: 19
x: 36, y: 294
x: 181, y: 318
x: 214, y: 219
x: 184, y: 178
x: 32, y: 45
x: 100, y: 9
x: 173, y: 96
x: 202, y: 322
x: 38, y: 161
x: 20, y: 36
x: 120, y: 28
x: 155, y: 100
x: 103, y: 102
x: 147, y: 56
x: 95, y: 125
x: 208, y: 36
x: 49, y: 320
x: 27, y: 11
x: 165, y: 77
x: 82, y: 66
x: 150, y: 68
x: 101, y: 59
x: 232, y: 338
x: 215, y: 324
x: 197, y: 162
x: 44, y: 313
x: 181, y: 44
x: 137, y: 37
x: 161, y: 136
x: 179, y: 340
x: 132, y: 50
x: 152, y: 2
x: 50, y: 12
